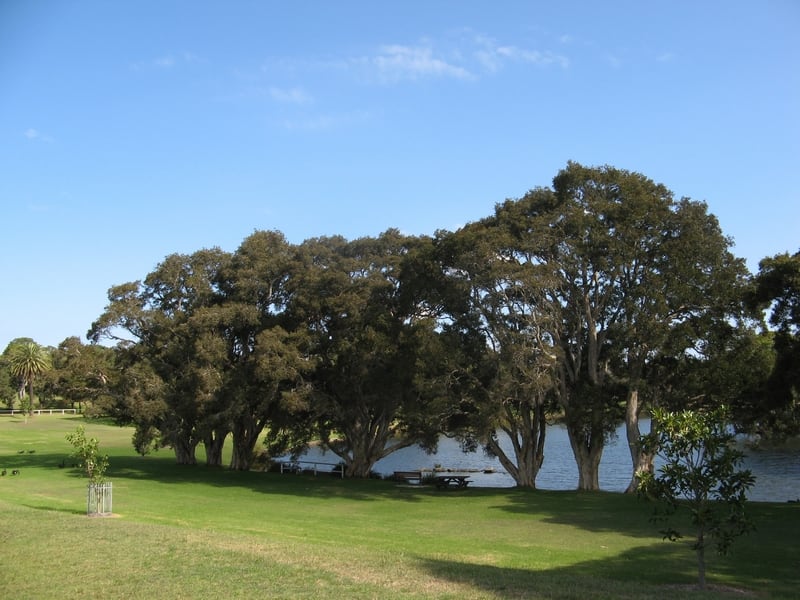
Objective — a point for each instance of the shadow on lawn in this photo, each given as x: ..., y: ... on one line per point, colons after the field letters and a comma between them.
x: 592, y: 511
x: 25, y: 460
x: 324, y: 485
x: 50, y: 509
x: 657, y: 571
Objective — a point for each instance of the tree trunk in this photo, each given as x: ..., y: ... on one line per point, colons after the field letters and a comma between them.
x: 527, y: 442
x: 185, y: 452
x: 245, y: 436
x: 359, y: 467
x: 701, y: 560
x: 242, y: 455
x: 214, y: 443
x: 642, y: 461
x: 30, y: 395
x: 588, y: 453
x: 588, y: 470
x: 363, y: 452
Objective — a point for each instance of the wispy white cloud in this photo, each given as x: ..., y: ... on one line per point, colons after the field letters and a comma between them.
x: 290, y: 95
x: 534, y: 57
x: 471, y: 55
x: 325, y: 122
x: 397, y: 62
x: 665, y: 57
x: 36, y: 136
x: 166, y: 62
x: 492, y: 56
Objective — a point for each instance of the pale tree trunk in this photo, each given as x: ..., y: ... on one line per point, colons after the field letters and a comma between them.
x: 365, y: 444
x: 214, y: 443
x: 185, y: 452
x: 641, y: 461
x: 241, y: 457
x: 245, y: 436
x: 527, y: 442
x: 587, y: 457
x: 359, y: 467
x: 244, y: 443
x: 363, y: 455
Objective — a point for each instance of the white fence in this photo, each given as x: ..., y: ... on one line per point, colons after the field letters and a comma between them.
x: 41, y: 411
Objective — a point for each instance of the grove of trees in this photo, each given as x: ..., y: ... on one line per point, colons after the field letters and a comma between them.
x: 589, y: 302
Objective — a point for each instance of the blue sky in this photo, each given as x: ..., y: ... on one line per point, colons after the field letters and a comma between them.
x: 133, y: 130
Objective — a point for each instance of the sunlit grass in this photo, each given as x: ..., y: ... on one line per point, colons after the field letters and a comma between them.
x: 189, y: 532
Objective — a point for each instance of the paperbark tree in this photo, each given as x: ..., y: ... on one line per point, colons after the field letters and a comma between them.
x: 265, y: 363
x: 637, y: 272
x: 156, y: 323
x: 368, y: 345
x: 506, y: 307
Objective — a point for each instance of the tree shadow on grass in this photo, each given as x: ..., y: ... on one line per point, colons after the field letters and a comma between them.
x: 762, y: 550
x: 324, y: 485
x: 161, y: 468
x: 656, y: 571
x: 50, y: 509
x: 592, y: 511
x: 25, y: 460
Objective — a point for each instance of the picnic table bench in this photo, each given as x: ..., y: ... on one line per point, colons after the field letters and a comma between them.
x: 408, y: 476
x: 451, y: 480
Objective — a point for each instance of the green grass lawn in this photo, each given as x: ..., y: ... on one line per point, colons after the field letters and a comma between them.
x: 192, y: 532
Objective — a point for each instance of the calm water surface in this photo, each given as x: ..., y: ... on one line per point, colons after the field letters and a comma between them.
x: 777, y: 472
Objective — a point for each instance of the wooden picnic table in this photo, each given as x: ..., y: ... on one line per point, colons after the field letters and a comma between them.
x: 451, y: 480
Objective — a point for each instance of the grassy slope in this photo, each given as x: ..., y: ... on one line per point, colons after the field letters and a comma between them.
x: 191, y: 532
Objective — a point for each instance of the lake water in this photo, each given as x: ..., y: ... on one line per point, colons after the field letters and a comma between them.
x: 777, y: 472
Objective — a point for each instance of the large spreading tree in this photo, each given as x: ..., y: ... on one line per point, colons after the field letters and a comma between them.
x: 634, y: 274
x: 503, y: 388
x: 164, y: 389
x: 585, y: 298
x: 368, y: 346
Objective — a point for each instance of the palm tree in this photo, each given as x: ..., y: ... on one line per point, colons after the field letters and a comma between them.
x: 28, y: 360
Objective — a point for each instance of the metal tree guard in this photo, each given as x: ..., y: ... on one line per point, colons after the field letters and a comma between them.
x: 98, y: 499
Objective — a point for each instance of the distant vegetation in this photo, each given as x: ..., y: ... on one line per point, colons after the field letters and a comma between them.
x: 592, y: 301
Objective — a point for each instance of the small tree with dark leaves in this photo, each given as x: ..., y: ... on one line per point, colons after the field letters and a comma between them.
x: 699, y: 475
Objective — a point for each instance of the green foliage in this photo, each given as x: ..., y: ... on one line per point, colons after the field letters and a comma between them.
x: 87, y: 451
x: 583, y: 296
x: 81, y: 375
x: 777, y: 290
x: 371, y: 340
x: 699, y: 475
x: 8, y: 387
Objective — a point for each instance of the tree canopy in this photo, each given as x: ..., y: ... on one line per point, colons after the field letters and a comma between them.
x: 776, y: 412
x: 588, y: 301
